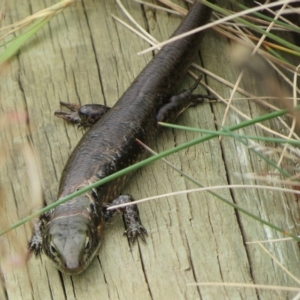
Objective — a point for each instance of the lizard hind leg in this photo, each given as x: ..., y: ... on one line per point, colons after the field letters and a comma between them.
x: 85, y: 115
x: 179, y: 103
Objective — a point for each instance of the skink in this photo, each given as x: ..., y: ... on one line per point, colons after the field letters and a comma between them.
x: 71, y: 234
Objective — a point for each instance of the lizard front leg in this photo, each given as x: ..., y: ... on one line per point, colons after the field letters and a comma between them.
x: 134, y: 227
x: 35, y: 244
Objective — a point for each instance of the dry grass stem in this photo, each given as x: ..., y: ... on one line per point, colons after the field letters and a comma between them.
x: 211, y: 188
x: 174, y: 6
x: 287, y: 11
x: 45, y: 13
x: 251, y: 55
x: 279, y: 264
x: 212, y: 24
x: 244, y: 38
x: 249, y: 45
x: 270, y: 178
x: 245, y: 285
x: 235, y: 87
x: 242, y: 114
x: 3, y: 11
x: 292, y: 110
x: 141, y: 35
x: 271, y: 241
x: 237, y: 33
x: 144, y: 32
x: 262, y: 98
x: 171, y: 11
x: 270, y: 150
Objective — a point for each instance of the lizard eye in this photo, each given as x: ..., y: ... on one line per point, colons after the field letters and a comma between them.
x: 52, y: 249
x: 87, y: 242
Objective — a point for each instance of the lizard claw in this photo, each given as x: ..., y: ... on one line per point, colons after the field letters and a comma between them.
x: 69, y: 116
x: 70, y: 106
x: 136, y: 231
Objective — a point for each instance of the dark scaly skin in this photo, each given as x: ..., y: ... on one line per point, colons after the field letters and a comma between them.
x: 71, y: 234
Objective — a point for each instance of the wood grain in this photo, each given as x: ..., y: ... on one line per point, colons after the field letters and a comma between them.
x: 83, y: 56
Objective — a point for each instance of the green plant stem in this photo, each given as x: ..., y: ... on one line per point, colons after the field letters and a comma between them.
x: 235, y: 206
x: 16, y: 44
x: 143, y: 163
x: 222, y: 133
x: 240, y: 138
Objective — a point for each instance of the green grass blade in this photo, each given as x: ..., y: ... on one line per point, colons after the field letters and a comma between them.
x: 222, y: 133
x: 230, y: 203
x: 143, y: 163
x: 16, y: 44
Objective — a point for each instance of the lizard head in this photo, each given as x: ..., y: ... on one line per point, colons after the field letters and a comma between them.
x: 70, y: 237
x: 72, y: 243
